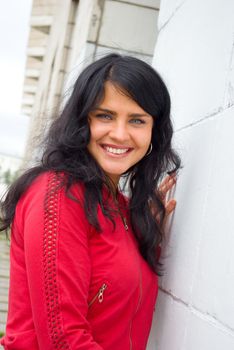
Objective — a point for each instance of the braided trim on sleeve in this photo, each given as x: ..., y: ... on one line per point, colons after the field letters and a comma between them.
x: 50, y: 238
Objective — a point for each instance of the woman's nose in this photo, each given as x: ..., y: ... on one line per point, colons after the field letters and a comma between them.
x: 120, y: 132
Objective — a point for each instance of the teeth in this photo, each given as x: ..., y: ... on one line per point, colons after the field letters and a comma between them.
x: 116, y: 150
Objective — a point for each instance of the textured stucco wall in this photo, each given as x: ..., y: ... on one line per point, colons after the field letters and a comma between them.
x: 195, y: 55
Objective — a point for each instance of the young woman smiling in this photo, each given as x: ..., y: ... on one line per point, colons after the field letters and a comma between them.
x: 85, y: 258
x: 121, y: 132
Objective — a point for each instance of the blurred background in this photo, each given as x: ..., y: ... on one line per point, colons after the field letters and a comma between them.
x: 14, y: 31
x: 44, y: 46
x: 14, y: 123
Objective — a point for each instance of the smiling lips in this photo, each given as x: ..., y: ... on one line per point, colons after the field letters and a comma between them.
x: 116, y: 150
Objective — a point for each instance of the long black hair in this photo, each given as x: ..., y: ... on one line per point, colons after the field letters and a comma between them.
x: 65, y: 149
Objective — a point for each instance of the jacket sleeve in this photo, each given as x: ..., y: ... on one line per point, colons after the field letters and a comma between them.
x: 58, y: 267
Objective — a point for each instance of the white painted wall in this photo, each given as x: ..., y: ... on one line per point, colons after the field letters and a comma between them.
x: 195, y: 56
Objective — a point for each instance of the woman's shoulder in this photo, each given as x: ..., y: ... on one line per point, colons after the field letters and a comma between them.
x: 48, y: 186
x: 47, y: 197
x: 51, y: 180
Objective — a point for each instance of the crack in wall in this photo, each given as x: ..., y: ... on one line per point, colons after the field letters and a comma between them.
x: 230, y: 101
x: 215, y: 114
x: 205, y: 316
x: 228, y: 98
x: 171, y: 16
x: 136, y: 4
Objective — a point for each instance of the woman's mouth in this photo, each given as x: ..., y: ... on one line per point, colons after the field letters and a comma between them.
x: 116, y: 150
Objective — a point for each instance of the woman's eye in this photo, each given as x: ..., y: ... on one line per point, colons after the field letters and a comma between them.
x: 137, y: 121
x: 104, y: 116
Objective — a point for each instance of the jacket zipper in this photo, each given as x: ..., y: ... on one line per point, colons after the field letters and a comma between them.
x: 124, y: 220
x: 99, y: 295
x: 138, y: 305
x: 125, y: 223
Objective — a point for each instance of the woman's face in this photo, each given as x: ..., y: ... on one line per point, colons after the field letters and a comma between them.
x: 120, y: 132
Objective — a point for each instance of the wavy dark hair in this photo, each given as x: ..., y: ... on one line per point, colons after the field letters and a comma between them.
x: 65, y: 149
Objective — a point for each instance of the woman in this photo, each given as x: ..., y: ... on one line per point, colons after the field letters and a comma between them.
x: 84, y: 258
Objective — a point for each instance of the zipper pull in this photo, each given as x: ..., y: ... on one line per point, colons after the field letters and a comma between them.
x: 125, y: 223
x: 101, y: 293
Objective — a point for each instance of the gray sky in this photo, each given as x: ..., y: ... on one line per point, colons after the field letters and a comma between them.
x: 14, y: 29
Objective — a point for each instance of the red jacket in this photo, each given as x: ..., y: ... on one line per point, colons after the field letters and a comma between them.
x: 70, y: 286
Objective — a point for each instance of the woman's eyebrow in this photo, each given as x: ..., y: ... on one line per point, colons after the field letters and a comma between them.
x: 105, y: 110
x: 134, y: 115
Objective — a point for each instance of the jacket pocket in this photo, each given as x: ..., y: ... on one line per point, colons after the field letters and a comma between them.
x: 99, y: 296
